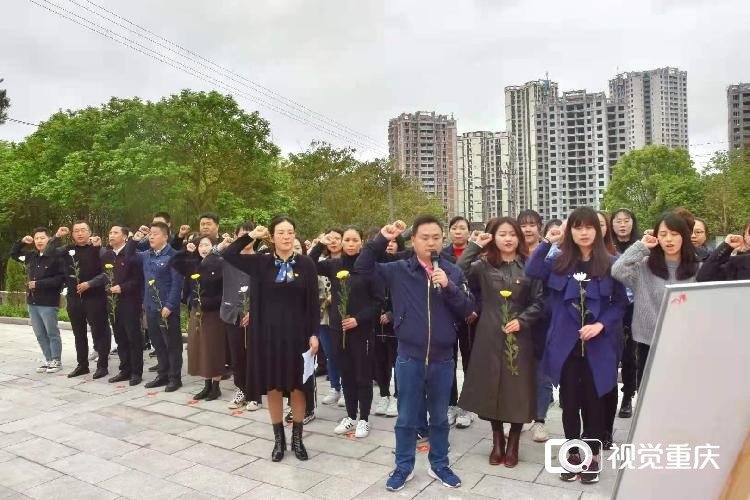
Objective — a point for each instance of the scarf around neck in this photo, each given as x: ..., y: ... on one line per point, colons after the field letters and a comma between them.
x: 286, y: 272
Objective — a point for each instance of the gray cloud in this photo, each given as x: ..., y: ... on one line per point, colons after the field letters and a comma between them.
x: 363, y: 62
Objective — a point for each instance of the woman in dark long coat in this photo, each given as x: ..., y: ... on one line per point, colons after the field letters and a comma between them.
x: 491, y: 389
x: 284, y: 320
x: 582, y: 359
x: 205, y: 329
x: 353, y: 335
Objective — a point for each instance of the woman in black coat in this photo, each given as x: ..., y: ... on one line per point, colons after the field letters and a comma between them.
x: 352, y: 335
x: 728, y: 262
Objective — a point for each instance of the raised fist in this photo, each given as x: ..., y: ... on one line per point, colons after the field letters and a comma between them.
x: 96, y: 241
x: 184, y: 230
x: 474, y: 235
x: 650, y: 241
x: 392, y: 231
x: 190, y: 247
x: 734, y: 240
x: 260, y: 232
x: 554, y: 234
x: 483, y: 239
x: 27, y: 239
x: 62, y: 232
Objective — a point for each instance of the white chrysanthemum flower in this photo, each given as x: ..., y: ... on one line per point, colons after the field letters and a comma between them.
x: 580, y: 277
x: 71, y: 252
x: 64, y: 292
x: 243, y: 289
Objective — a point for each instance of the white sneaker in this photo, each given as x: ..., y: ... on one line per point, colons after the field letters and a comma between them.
x: 392, y: 410
x: 452, y: 414
x: 252, y: 406
x: 342, y: 402
x: 363, y: 429
x: 54, y: 366
x: 332, y: 397
x: 538, y: 432
x: 93, y: 356
x: 382, y: 406
x: 238, y: 401
x: 346, y: 425
x: 42, y: 368
x: 464, y: 419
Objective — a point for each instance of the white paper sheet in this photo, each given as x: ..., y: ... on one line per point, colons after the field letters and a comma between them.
x: 309, y: 365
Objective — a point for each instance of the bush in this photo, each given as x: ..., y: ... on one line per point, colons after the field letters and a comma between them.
x: 21, y: 311
x: 15, y: 281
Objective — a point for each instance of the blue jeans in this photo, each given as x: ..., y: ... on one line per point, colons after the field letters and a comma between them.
x: 333, y: 373
x: 418, y: 383
x: 44, y: 324
x: 543, y: 392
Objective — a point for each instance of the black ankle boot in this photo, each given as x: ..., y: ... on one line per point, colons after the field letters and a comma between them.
x: 215, y: 391
x: 297, y: 446
x: 205, y: 391
x: 279, y: 445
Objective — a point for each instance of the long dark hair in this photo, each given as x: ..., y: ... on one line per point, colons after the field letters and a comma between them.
x: 494, y: 257
x: 609, y: 238
x: 570, y: 254
x: 657, y: 263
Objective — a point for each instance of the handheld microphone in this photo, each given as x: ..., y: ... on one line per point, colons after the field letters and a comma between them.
x: 435, y: 258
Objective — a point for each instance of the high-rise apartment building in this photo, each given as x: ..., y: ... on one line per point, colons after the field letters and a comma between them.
x: 521, y: 105
x: 483, y: 176
x: 572, y: 152
x: 738, y: 110
x: 423, y: 145
x: 655, y: 107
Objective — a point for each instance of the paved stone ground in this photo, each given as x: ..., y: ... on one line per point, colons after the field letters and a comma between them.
x: 79, y: 438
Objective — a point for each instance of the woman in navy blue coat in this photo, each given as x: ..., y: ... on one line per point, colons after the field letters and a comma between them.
x: 582, y: 359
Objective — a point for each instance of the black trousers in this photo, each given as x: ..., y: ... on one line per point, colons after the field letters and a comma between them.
x: 464, y: 341
x: 235, y: 336
x: 129, y: 337
x: 384, y: 359
x: 167, y: 343
x: 580, y: 401
x: 628, y: 361
x: 641, y: 355
x: 357, y: 397
x: 610, y: 411
x: 91, y: 311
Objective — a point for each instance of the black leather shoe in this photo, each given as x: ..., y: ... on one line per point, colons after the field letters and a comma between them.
x: 173, y: 385
x: 279, y: 443
x: 626, y: 409
x: 135, y: 379
x: 80, y: 370
x: 154, y: 368
x: 214, y: 392
x: 101, y: 372
x: 297, y: 446
x: 120, y: 377
x: 157, y: 382
x: 204, y: 392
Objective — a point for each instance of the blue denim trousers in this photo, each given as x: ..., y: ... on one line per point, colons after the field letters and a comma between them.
x: 543, y: 392
x: 420, y: 384
x: 44, y: 324
x: 324, y: 334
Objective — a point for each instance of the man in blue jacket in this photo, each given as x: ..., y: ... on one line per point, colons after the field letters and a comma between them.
x: 427, y: 301
x: 161, y: 301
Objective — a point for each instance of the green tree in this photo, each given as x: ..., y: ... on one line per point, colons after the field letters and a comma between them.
x: 727, y: 185
x: 4, y: 104
x: 331, y: 187
x: 653, y: 180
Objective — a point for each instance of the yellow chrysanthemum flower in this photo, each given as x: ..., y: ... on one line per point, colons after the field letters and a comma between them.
x: 506, y: 293
x: 108, y: 266
x: 342, y: 274
x: 151, y: 282
x: 195, y: 276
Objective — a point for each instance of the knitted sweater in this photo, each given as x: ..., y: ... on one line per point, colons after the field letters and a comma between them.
x: 631, y: 269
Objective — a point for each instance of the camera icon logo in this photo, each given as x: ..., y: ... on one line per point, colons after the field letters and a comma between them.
x: 584, y: 451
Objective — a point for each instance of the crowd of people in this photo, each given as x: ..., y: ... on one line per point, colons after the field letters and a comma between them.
x: 524, y: 306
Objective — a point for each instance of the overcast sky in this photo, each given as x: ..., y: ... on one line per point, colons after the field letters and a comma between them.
x: 362, y: 62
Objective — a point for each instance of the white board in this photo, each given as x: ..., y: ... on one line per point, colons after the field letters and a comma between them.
x: 696, y: 390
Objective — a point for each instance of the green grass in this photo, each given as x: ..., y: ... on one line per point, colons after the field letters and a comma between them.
x: 21, y: 311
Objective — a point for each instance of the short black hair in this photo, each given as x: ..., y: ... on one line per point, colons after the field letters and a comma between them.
x: 529, y: 216
x: 424, y: 219
x: 457, y: 219
x: 210, y: 215
x: 248, y: 226
x: 81, y: 221
x: 125, y: 229
x: 163, y: 215
x: 161, y: 226
x: 40, y: 229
